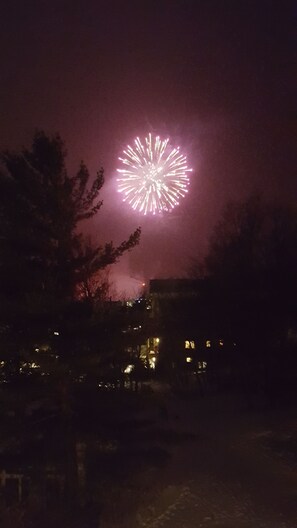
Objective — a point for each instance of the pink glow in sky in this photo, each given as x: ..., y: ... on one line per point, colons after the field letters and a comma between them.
x: 101, y: 73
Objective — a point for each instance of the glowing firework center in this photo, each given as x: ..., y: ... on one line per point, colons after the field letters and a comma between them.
x: 154, y: 176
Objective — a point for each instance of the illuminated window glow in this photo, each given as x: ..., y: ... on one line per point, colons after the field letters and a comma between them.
x: 152, y: 362
x: 202, y: 365
x: 128, y: 369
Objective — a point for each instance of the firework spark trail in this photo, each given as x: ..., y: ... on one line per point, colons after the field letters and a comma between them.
x: 154, y: 176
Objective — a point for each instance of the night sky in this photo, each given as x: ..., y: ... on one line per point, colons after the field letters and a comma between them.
x: 217, y: 77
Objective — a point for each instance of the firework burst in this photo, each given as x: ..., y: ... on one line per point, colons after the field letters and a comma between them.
x: 154, y: 176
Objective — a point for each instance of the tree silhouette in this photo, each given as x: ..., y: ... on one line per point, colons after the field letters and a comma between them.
x: 251, y: 269
x: 43, y: 257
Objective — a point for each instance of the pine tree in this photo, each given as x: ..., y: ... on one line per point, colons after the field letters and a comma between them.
x: 43, y: 257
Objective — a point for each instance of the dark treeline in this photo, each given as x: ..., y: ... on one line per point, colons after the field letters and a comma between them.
x: 56, y: 327
x: 50, y: 272
x: 250, y: 294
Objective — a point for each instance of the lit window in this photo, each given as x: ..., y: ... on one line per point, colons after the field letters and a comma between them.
x: 128, y: 369
x: 192, y: 344
x: 187, y: 344
x: 189, y: 359
x: 208, y: 343
x: 152, y: 362
x: 221, y: 342
x: 202, y: 365
x: 34, y: 365
x: 56, y: 333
